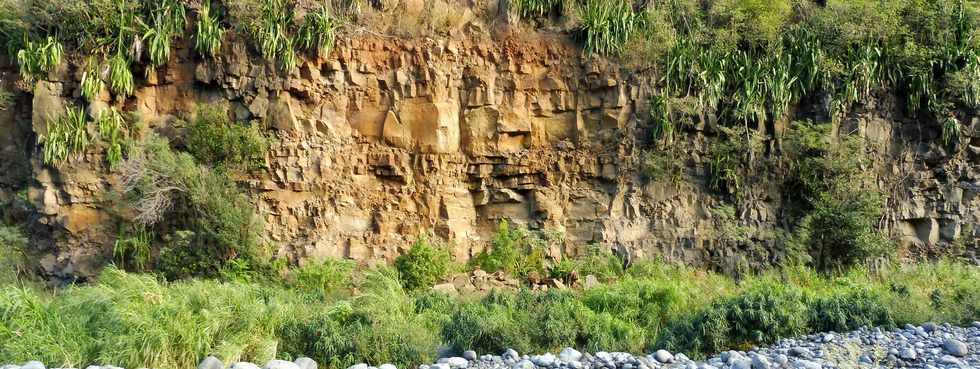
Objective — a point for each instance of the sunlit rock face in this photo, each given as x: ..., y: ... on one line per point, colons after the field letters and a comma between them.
x: 385, y: 139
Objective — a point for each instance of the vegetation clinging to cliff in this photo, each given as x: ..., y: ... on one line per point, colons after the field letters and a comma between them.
x: 824, y: 50
x: 203, y: 224
x: 214, y: 139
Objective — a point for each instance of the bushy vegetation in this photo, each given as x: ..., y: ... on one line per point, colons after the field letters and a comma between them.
x: 384, y: 324
x: 141, y: 321
x: 423, y: 265
x: 329, y: 277
x: 731, y: 161
x: 602, y: 263
x: 277, y: 35
x: 91, y: 83
x: 133, y: 247
x: 748, y: 62
x: 203, y: 224
x: 834, y: 193
x: 120, y: 32
x: 13, y: 259
x: 124, y: 34
x: 317, y: 31
x: 214, y: 139
x: 518, y: 251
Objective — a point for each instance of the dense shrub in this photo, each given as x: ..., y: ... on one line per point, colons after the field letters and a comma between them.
x: 757, y: 22
x: 132, y: 247
x: 838, y: 225
x: 602, y: 263
x: 518, y: 251
x: 206, y: 225
x: 13, y: 258
x: 137, y: 321
x: 214, y: 139
x: 731, y: 161
x: 545, y: 321
x: 756, y: 317
x: 423, y: 265
x: 37, y: 58
x: 748, y: 61
x: 850, y: 311
x: 380, y: 326
x: 565, y: 270
x: 841, y: 230
x: 503, y: 253
x: 327, y: 277
x: 487, y: 328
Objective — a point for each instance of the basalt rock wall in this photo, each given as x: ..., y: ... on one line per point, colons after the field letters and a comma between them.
x: 386, y: 138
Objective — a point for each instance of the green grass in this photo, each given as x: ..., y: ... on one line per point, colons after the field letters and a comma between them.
x: 133, y: 247
x: 951, y: 128
x: 68, y: 135
x: 272, y: 32
x: 517, y: 251
x: 661, y: 120
x: 138, y: 321
x: 167, y: 18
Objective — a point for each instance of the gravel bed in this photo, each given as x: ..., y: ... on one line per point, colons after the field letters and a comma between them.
x: 929, y: 346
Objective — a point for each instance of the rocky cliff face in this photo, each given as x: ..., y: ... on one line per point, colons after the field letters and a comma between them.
x: 386, y: 138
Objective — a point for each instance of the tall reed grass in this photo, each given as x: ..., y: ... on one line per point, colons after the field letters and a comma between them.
x: 139, y: 321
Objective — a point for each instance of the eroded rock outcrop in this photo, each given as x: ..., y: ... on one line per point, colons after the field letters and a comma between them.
x: 387, y: 138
